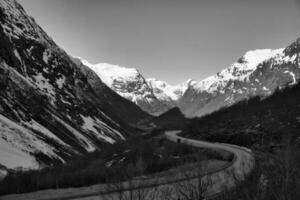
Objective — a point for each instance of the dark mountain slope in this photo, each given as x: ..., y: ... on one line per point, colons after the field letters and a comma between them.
x: 50, y: 108
x: 170, y: 120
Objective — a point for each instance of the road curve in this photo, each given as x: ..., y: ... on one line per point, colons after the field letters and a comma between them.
x: 220, y: 180
x: 240, y: 167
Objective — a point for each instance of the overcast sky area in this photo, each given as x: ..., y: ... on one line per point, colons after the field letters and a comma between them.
x: 171, y: 40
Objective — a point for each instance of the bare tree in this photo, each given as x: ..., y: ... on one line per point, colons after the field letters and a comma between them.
x: 193, y: 188
x: 167, y: 192
x: 115, y: 191
x: 133, y: 189
x: 141, y: 191
x: 275, y: 177
x: 283, y: 174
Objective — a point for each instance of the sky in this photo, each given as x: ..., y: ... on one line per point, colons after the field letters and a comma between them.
x: 171, y: 40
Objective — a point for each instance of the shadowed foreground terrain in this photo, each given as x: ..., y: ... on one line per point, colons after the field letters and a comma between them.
x: 197, y: 183
x: 135, y: 157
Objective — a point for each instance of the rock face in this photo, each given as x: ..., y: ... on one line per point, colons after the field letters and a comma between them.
x: 151, y: 95
x: 51, y: 107
x: 257, y: 73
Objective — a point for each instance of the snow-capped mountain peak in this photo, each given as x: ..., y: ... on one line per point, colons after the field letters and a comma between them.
x: 109, y: 72
x: 238, y: 70
x: 257, y: 73
x: 163, y: 90
x: 253, y: 57
x: 152, y: 95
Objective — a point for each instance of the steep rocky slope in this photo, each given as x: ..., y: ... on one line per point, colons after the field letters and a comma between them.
x: 50, y: 107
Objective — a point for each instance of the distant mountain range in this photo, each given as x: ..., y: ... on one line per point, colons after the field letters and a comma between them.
x: 258, y: 72
x: 153, y: 96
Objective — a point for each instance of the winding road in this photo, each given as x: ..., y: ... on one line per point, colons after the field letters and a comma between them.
x: 241, y: 165
x: 220, y: 180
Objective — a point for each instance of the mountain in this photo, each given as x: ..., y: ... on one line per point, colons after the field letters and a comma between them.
x: 51, y: 107
x: 253, y: 122
x: 151, y: 95
x: 167, y: 93
x: 257, y: 73
x: 173, y: 119
x: 125, y: 109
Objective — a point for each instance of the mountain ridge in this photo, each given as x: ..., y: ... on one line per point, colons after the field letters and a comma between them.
x: 242, y: 80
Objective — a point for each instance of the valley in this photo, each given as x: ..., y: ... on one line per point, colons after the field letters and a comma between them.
x: 70, y: 129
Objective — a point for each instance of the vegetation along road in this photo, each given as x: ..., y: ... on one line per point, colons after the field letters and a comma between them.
x: 184, y: 185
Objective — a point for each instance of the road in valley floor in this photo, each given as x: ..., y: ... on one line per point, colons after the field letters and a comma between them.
x: 221, y: 178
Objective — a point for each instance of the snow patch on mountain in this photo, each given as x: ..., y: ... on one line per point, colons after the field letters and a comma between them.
x: 34, y: 125
x: 43, y: 84
x: 13, y: 158
x: 18, y: 145
x: 60, y: 81
x: 293, y: 77
x: 97, y: 126
x: 46, y: 55
x: 17, y: 55
x: 83, y: 140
